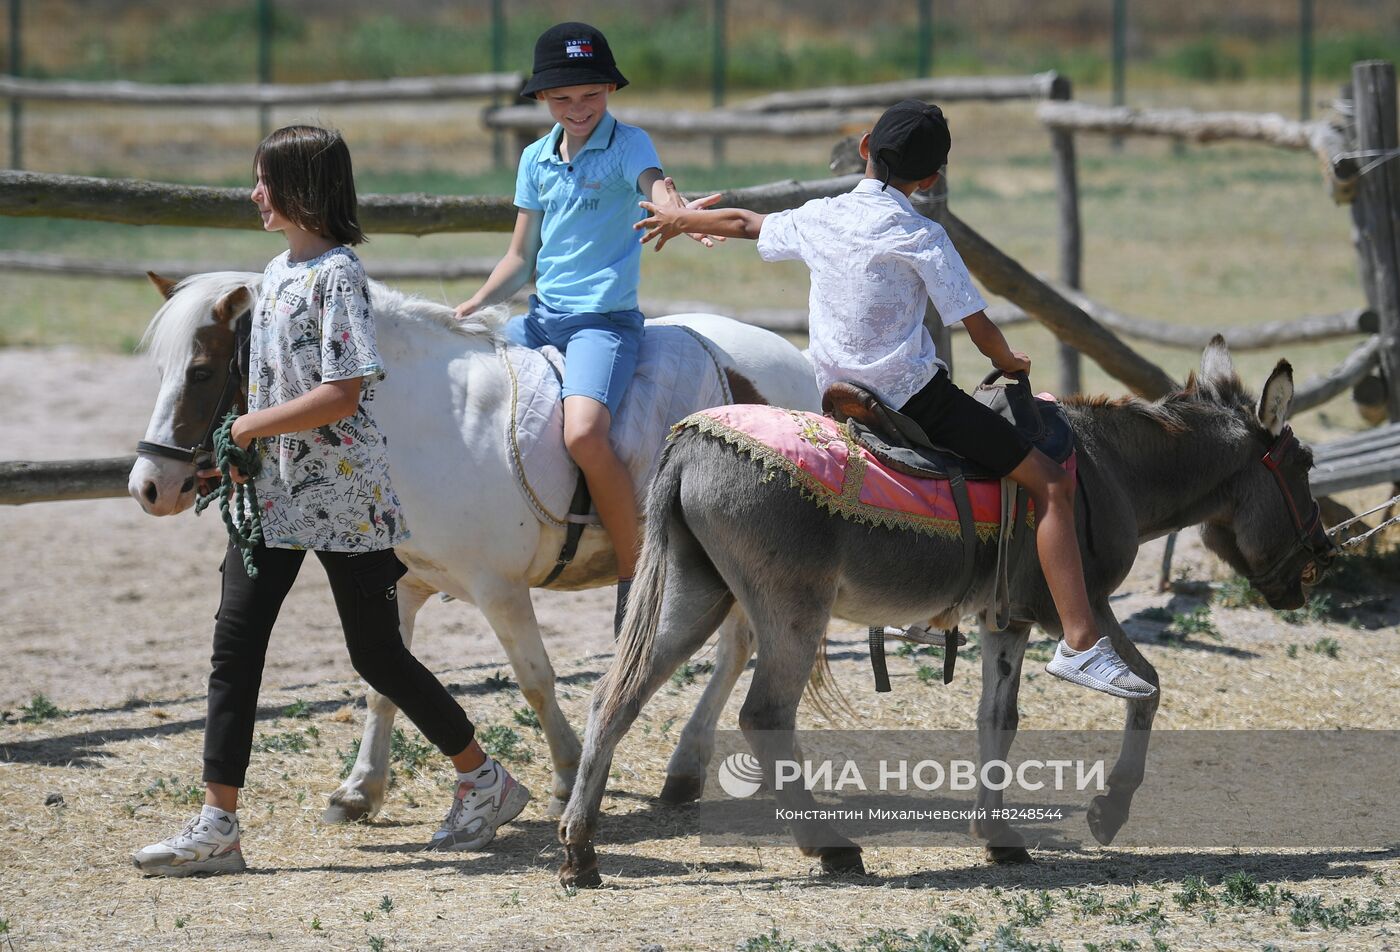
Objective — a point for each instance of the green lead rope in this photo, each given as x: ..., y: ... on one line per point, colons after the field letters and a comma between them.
x: 245, y: 527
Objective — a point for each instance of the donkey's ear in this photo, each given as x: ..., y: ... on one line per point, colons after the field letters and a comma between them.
x: 164, y: 285
x: 1277, y: 399
x: 1216, y: 365
x: 232, y: 304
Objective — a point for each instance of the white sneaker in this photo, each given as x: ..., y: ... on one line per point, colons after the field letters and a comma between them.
x: 1100, y: 668
x: 205, y: 845
x: 482, y: 804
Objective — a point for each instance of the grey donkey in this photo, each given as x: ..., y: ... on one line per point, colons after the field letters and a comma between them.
x: 717, y: 533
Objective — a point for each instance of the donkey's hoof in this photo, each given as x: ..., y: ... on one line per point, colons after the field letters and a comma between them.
x: 1105, y: 819
x: 345, y: 813
x: 580, y: 868
x: 554, y: 809
x: 1008, y: 855
x: 842, y: 861
x: 679, y: 789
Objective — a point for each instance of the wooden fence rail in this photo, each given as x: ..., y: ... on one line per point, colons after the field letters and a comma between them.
x: 532, y: 121
x: 408, y: 89
x: 941, y: 89
x: 25, y: 482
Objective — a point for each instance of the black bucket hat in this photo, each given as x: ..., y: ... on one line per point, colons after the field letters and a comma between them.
x: 910, y: 141
x: 571, y: 54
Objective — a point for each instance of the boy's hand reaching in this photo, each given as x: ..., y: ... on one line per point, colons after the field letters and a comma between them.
x: 665, y: 223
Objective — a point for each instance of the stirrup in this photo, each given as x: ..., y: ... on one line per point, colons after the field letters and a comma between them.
x: 923, y: 635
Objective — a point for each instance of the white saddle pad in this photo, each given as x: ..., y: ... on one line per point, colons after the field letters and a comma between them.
x: 677, y: 374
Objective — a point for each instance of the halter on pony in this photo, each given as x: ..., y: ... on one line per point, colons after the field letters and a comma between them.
x: 237, y: 373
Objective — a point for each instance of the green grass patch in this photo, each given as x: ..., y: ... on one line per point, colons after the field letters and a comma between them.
x: 1195, y: 622
x: 287, y: 742
x: 1236, y: 592
x: 504, y: 743
x: 41, y: 709
x: 298, y: 710
x: 685, y: 675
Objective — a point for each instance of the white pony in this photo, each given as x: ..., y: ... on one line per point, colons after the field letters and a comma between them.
x: 445, y: 408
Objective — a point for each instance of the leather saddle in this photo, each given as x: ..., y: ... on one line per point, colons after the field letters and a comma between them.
x: 901, y: 444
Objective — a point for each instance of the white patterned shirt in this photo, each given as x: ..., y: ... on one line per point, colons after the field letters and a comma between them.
x: 325, y: 489
x: 875, y: 261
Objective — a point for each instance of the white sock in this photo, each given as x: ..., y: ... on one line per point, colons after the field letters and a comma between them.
x: 214, y: 813
x: 484, y: 776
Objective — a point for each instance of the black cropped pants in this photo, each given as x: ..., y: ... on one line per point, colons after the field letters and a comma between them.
x: 365, y: 588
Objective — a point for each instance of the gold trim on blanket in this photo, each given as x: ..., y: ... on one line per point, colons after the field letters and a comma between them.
x: 845, y: 503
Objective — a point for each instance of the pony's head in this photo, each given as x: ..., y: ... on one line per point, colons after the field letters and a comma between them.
x: 1270, y: 527
x: 202, y: 373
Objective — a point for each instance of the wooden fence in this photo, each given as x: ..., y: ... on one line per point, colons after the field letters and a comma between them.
x: 1082, y: 325
x: 408, y: 89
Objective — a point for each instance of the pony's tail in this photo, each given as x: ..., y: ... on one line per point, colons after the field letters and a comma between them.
x: 626, y: 681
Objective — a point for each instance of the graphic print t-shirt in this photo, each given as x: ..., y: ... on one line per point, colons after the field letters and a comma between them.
x: 325, y: 489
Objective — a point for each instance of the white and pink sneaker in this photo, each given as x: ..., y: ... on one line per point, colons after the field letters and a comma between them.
x: 486, y: 799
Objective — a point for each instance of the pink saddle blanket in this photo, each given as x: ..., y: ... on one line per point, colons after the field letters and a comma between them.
x: 822, y: 458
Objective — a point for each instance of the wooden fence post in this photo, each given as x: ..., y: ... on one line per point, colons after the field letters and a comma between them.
x: 1071, y: 238
x: 1376, y: 210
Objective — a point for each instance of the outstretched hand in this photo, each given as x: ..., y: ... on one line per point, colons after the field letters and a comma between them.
x: 663, y: 222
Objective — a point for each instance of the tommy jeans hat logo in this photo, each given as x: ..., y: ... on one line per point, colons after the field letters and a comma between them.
x: 574, y: 49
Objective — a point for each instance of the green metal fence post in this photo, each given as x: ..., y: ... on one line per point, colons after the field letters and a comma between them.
x: 1120, y: 55
x: 1305, y: 59
x: 718, y: 68
x: 264, y: 61
x: 498, y: 65
x: 16, y: 106
x: 925, y: 37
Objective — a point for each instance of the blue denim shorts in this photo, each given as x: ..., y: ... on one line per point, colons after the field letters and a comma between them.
x: 600, y: 350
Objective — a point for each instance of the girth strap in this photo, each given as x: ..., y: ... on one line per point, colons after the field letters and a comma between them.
x: 579, y: 509
x: 957, y: 484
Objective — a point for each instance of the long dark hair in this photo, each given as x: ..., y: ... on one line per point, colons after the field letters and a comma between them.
x: 309, y: 181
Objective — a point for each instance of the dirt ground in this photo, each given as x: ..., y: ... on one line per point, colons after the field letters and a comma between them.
x: 107, y: 612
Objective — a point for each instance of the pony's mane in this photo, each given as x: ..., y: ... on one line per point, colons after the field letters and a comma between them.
x: 171, y: 331
x: 392, y: 304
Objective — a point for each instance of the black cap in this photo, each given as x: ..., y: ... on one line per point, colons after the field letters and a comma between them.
x: 910, y: 141
x: 571, y: 54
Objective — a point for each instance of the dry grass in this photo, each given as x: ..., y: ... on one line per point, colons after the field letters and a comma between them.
x: 127, y: 777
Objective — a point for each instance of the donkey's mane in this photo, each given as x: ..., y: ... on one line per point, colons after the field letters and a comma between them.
x: 1175, y: 412
x: 169, y: 335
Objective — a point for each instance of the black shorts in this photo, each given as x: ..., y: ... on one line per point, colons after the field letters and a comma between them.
x: 955, y: 421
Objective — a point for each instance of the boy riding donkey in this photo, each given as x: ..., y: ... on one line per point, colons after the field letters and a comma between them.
x: 874, y: 261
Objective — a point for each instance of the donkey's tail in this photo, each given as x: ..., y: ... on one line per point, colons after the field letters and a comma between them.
x: 626, y: 681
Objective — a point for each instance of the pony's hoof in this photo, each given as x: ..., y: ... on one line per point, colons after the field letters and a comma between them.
x: 580, y: 869
x: 1105, y: 819
x: 1009, y: 855
x: 842, y: 861
x: 679, y: 789
x: 345, y: 813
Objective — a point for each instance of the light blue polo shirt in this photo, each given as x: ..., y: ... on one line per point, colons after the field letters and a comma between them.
x: 590, y: 258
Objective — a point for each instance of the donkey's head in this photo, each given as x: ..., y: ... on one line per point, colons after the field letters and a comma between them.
x: 203, y: 372
x: 1270, y: 527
